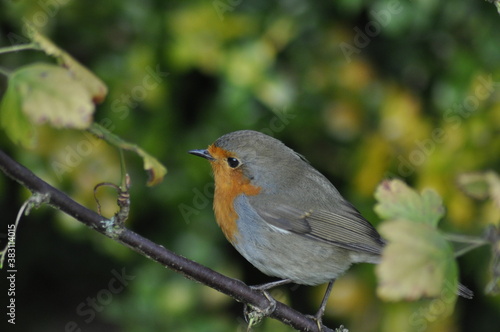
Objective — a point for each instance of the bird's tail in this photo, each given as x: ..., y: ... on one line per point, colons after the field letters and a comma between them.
x: 464, y: 292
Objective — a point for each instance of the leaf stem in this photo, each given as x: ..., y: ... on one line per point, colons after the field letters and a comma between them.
x: 465, y: 239
x: 155, y: 169
x: 124, y: 181
x: 19, y: 47
x: 472, y: 242
x: 466, y: 249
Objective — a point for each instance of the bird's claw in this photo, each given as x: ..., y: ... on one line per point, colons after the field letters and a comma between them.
x: 318, y: 320
x: 253, y: 315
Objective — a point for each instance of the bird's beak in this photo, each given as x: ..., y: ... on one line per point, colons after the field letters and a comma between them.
x: 202, y: 153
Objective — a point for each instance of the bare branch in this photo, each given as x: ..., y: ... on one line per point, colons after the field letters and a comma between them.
x: 190, y: 269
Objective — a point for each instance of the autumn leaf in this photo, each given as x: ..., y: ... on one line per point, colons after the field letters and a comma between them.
x: 481, y: 185
x: 417, y: 262
x: 96, y: 87
x: 44, y: 93
x: 398, y: 201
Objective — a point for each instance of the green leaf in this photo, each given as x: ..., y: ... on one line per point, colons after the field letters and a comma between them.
x: 51, y: 94
x: 95, y: 86
x: 494, y: 181
x: 417, y: 262
x: 16, y: 125
x: 155, y: 169
x: 481, y: 185
x: 398, y: 201
x: 474, y: 185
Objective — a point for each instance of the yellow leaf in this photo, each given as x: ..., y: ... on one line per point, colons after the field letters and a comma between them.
x: 91, y: 82
x: 50, y: 94
x: 398, y: 201
x: 416, y: 263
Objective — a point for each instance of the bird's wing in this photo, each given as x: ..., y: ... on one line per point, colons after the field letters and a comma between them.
x: 344, y: 228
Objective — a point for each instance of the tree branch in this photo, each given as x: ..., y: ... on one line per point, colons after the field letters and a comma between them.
x: 190, y: 269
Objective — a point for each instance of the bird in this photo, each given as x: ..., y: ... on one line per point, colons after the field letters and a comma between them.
x: 285, y: 217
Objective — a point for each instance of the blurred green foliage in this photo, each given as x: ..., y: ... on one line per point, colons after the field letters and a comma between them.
x: 363, y: 89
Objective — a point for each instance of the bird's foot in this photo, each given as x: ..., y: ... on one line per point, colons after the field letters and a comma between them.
x: 253, y: 315
x: 318, y: 318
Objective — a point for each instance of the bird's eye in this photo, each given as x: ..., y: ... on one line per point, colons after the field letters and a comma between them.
x: 233, y: 162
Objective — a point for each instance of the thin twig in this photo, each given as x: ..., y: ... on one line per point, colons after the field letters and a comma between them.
x: 19, y: 47
x: 468, y: 248
x: 472, y: 242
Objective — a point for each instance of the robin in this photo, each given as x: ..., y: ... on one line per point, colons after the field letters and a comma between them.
x: 284, y: 216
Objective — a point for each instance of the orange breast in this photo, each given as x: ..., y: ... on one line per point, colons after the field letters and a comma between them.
x: 229, y: 183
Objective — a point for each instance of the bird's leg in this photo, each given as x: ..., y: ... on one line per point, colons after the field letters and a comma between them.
x: 254, y: 315
x: 271, y: 284
x: 319, y: 315
x: 264, y: 287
